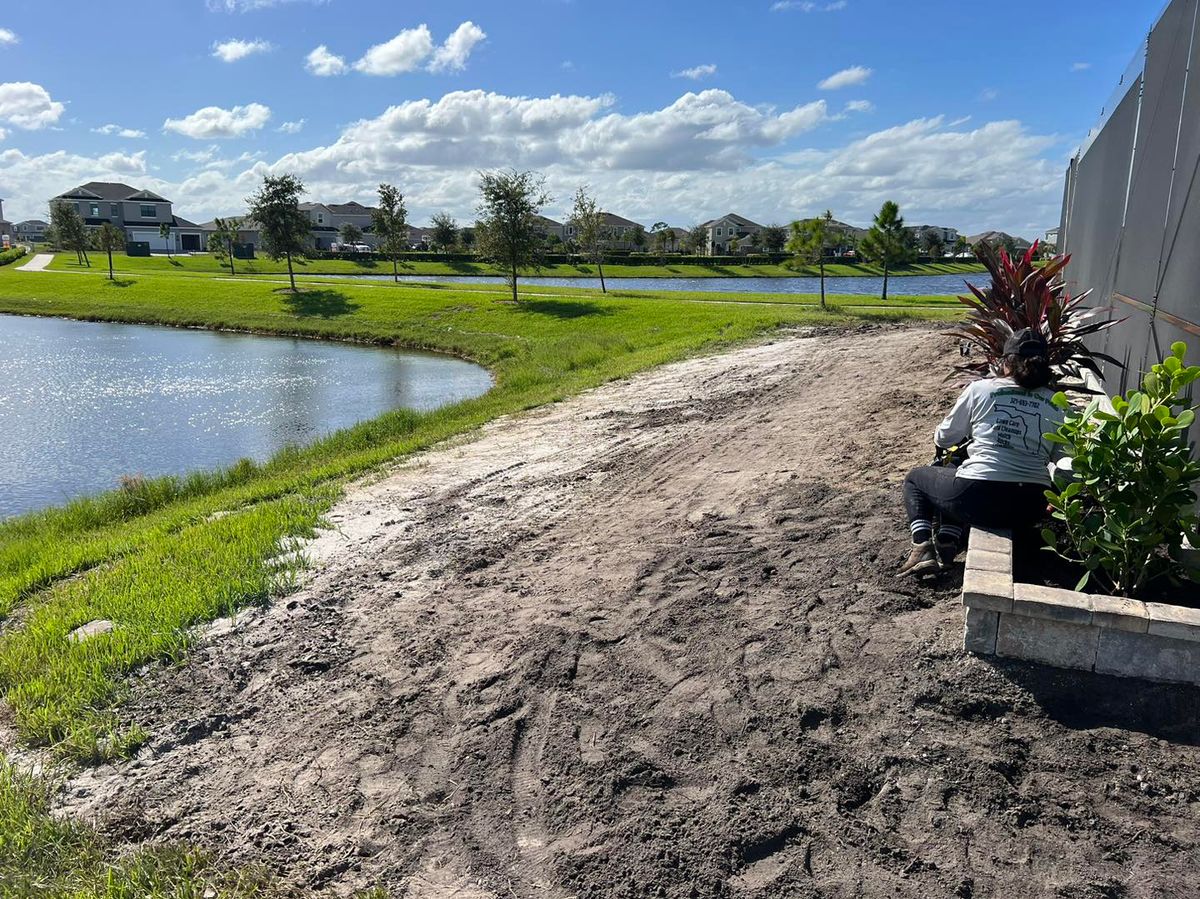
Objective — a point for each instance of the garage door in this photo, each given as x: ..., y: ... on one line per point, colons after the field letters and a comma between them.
x: 157, y: 244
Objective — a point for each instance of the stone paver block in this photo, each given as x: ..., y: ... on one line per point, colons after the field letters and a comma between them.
x: 1051, y: 603
x: 1149, y: 656
x: 1044, y: 640
x: 987, y: 590
x: 91, y: 629
x: 1120, y: 613
x: 1173, y: 621
x: 979, y: 633
x: 987, y: 560
x: 991, y: 541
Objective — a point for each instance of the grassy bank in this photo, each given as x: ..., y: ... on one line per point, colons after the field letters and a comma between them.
x: 159, y: 557
x: 208, y: 265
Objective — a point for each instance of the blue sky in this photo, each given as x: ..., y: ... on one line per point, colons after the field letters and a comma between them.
x: 670, y: 111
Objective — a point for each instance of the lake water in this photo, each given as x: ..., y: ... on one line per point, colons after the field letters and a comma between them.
x: 908, y: 285
x: 82, y: 403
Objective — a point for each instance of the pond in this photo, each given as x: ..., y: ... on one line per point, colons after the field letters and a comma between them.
x: 83, y: 404
x: 908, y: 285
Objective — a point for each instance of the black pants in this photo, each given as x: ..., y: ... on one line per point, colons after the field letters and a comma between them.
x: 933, y: 494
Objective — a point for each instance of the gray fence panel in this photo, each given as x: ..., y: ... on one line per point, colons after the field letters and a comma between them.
x: 1150, y: 188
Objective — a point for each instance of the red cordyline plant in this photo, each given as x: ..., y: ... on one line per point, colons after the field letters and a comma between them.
x: 1024, y: 295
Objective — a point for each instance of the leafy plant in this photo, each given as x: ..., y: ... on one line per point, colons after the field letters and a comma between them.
x: 1129, y: 507
x: 1024, y: 295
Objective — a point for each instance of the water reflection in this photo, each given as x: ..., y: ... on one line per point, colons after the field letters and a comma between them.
x: 82, y: 404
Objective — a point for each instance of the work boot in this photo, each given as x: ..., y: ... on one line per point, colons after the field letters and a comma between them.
x: 947, y: 552
x: 921, y: 560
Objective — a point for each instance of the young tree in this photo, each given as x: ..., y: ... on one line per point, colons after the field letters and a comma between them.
x: 933, y: 245
x: 285, y: 229
x: 71, y: 231
x: 697, y: 240
x: 164, y: 231
x: 350, y: 234
x: 591, y: 234
x: 445, y: 231
x: 637, y: 237
x: 664, y: 237
x: 390, y: 219
x: 734, y: 246
x: 774, y: 238
x: 810, y: 240
x: 961, y: 245
x: 108, y: 238
x: 221, y: 241
x: 507, y: 232
x: 466, y: 237
x: 887, y: 243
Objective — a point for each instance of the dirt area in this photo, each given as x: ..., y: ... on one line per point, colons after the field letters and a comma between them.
x: 649, y: 642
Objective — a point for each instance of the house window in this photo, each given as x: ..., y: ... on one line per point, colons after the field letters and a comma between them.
x: 95, y: 207
x: 149, y: 212
x: 116, y: 210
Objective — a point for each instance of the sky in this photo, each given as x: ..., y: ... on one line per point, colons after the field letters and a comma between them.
x: 964, y: 114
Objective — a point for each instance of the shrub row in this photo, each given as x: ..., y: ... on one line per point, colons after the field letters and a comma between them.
x: 11, y: 255
x: 622, y: 257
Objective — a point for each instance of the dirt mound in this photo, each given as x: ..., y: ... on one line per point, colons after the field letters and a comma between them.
x: 649, y: 642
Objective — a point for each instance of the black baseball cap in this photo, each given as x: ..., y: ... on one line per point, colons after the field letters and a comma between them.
x: 1026, y: 343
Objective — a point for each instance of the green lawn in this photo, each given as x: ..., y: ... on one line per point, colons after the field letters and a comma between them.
x: 263, y: 266
x: 157, y: 559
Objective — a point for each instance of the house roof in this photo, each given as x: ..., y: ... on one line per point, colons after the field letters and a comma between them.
x: 613, y: 220
x: 113, y: 191
x: 350, y: 208
x: 995, y: 237
x: 34, y: 223
x: 740, y: 221
x: 545, y: 220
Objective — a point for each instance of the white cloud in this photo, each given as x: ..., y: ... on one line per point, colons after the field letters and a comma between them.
x: 131, y: 133
x: 292, y: 127
x: 323, y: 63
x: 1080, y: 66
x: 452, y: 55
x: 8, y: 37
x: 988, y: 94
x: 695, y: 73
x: 28, y: 105
x: 28, y: 181
x: 233, y: 50
x: 215, y: 122
x: 251, y: 5
x: 808, y: 6
x: 850, y: 77
x: 403, y: 53
x: 860, y: 106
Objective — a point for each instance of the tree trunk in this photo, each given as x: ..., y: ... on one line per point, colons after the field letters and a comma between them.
x: 514, y: 280
x: 110, y: 271
x: 396, y: 267
x: 885, y: 280
x: 822, y: 280
x: 231, y: 271
x: 291, y: 274
x: 600, y: 269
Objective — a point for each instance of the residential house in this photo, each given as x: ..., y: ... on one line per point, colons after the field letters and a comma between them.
x: 676, y: 238
x: 6, y: 227
x: 921, y: 235
x: 1000, y: 239
x: 139, y: 213
x: 30, y: 231
x: 329, y: 218
x: 620, y: 232
x: 1051, y: 237
x: 723, y: 232
x: 550, y: 228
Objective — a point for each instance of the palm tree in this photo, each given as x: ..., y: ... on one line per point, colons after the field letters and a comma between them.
x: 164, y: 231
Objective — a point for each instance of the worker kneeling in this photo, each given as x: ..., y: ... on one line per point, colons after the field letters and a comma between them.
x: 1002, y: 482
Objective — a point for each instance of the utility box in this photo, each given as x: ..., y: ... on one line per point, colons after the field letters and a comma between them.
x: 137, y: 248
x: 243, y: 251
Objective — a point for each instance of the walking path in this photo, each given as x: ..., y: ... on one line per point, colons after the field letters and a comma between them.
x: 37, y: 264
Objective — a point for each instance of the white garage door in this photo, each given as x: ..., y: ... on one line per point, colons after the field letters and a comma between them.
x: 157, y: 244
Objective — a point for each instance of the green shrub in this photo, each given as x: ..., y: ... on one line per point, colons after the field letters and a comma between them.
x: 12, y: 255
x: 1129, y: 506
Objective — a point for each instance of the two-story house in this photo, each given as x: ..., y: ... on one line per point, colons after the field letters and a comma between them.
x: 140, y: 213
x: 30, y: 231
x: 619, y: 232
x: 730, y: 235
x: 7, y: 232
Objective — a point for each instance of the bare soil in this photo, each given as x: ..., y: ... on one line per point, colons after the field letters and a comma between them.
x: 649, y: 642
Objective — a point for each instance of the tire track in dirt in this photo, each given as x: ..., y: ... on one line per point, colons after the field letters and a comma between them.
x: 648, y: 641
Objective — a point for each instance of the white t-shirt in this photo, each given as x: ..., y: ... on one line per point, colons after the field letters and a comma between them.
x: 1004, y: 424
